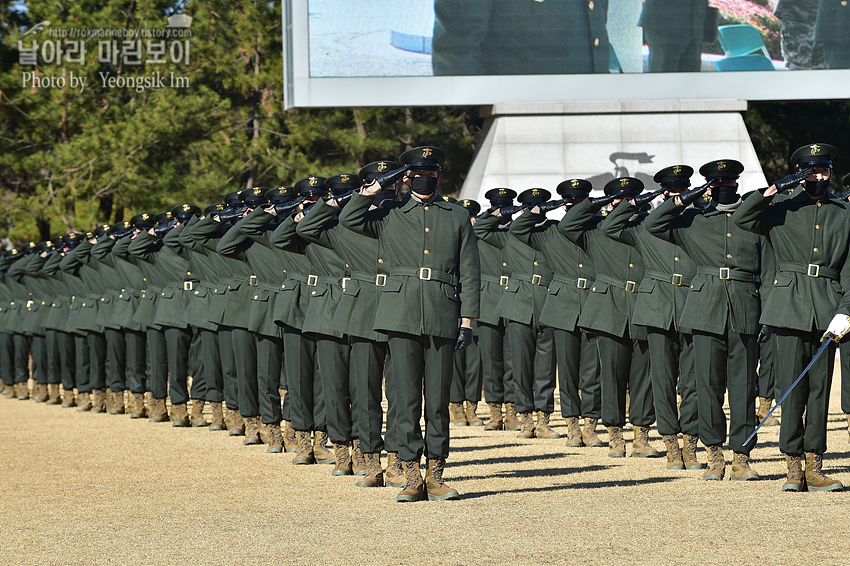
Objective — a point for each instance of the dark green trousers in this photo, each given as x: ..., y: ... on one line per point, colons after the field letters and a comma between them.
x: 624, y: 366
x: 97, y: 358
x: 7, y: 357
x: 766, y: 386
x: 38, y: 351
x: 269, y: 359
x: 157, y: 353
x: 672, y: 374
x: 726, y: 363
x: 228, y: 368
x: 467, y: 376
x: 333, y: 359
x: 303, y: 381
x: 422, y: 364
x: 54, y: 362
x: 367, y: 363
x: 116, y: 359
x: 794, y: 351
x: 135, y: 343
x: 496, y: 368
x: 671, y: 54
x: 578, y: 370
x: 245, y: 355
x: 82, y: 365
x: 533, y: 364
x: 22, y: 357
x: 213, y: 377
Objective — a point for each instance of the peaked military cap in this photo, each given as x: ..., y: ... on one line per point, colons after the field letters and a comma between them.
x: 470, y: 205
x: 312, y: 186
x: 452, y: 200
x: 674, y: 177
x: 14, y: 253
x: 30, y: 248
x: 574, y: 188
x: 100, y: 230
x: 342, y: 183
x: 534, y: 196
x: 215, y: 208
x: 184, y: 212
x: 377, y: 168
x: 72, y: 239
x: 501, y: 196
x: 254, y: 196
x: 424, y: 158
x: 143, y: 221
x: 281, y: 194
x: 623, y: 186
x: 819, y: 155
x: 232, y: 198
x: 44, y: 246
x: 722, y: 170
x: 120, y: 227
x: 163, y: 217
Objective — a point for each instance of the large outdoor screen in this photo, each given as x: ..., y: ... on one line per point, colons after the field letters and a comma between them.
x: 434, y: 52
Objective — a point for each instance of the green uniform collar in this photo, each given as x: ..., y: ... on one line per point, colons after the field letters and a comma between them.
x: 408, y: 203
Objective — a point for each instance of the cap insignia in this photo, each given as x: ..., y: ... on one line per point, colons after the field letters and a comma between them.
x: 382, y: 166
x: 427, y: 152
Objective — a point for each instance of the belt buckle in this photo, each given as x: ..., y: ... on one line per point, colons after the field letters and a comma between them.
x: 631, y: 286
x: 141, y: 295
x: 312, y: 280
x: 724, y: 273
x: 504, y: 280
x: 813, y: 270
x: 677, y: 280
x: 581, y: 283
x: 188, y: 285
x: 380, y: 280
x: 344, y: 281
x: 425, y: 273
x: 252, y: 281
x: 536, y: 279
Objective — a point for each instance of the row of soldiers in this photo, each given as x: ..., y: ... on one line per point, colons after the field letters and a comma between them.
x: 328, y: 289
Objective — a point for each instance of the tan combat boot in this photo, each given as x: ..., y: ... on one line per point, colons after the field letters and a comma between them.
x: 414, y: 487
x: 456, y: 415
x: 85, y: 403
x: 716, y: 463
x: 374, y: 474
x: 69, y: 399
x: 357, y: 459
x: 765, y: 403
x: 275, y: 439
x: 117, y: 403
x: 217, y: 422
x: 98, y: 401
x: 321, y: 450
x: 252, y: 431
x: 304, y: 454
x: 512, y: 422
x: 53, y: 396
x: 22, y: 390
x: 108, y: 399
x: 741, y: 470
x: 343, y: 460
x: 641, y: 448
x: 815, y: 478
x: 39, y: 393
x: 197, y: 415
x: 470, y: 411
x: 527, y: 428
x: 496, y: 422
x: 179, y: 414
x: 138, y: 406
x: 674, y: 453
x: 8, y: 391
x: 434, y: 484
x: 395, y: 472
x: 159, y: 413
x: 616, y: 442
x: 689, y: 452
x: 588, y: 433
x: 573, y: 433
x: 290, y: 443
x: 236, y: 424
x: 795, y: 480
x: 543, y: 430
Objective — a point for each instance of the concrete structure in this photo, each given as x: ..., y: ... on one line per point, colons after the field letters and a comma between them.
x: 526, y: 145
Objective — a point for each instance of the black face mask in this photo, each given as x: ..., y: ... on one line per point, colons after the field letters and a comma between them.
x: 423, y: 185
x: 725, y: 194
x: 816, y: 188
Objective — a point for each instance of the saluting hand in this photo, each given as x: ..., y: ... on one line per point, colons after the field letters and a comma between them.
x: 371, y: 189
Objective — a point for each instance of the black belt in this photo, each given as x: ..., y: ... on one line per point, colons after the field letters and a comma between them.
x: 425, y: 274
x: 580, y: 282
x: 628, y: 286
x: 533, y: 278
x: 729, y: 273
x: 675, y: 279
x: 812, y: 270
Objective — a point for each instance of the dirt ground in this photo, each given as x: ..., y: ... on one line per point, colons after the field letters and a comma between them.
x: 81, y: 488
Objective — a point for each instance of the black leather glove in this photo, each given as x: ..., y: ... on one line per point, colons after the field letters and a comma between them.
x: 764, y: 334
x: 343, y: 198
x: 287, y: 207
x: 603, y: 201
x: 464, y: 339
x: 792, y: 180
x: 690, y: 196
x: 552, y: 205
x: 509, y: 210
x: 391, y: 177
x: 641, y: 200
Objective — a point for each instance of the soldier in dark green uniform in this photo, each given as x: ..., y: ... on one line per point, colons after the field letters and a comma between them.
x: 722, y: 310
x: 7, y: 345
x: 660, y: 300
x: 810, y: 236
x: 435, y: 281
x: 623, y: 350
x: 575, y: 349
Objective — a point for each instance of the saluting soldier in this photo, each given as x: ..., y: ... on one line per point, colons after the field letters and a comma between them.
x: 658, y: 307
x: 434, y: 281
x: 623, y: 350
x: 810, y: 236
x: 82, y: 362
x: 47, y: 378
x: 722, y: 310
x: 7, y: 346
x: 532, y: 343
x: 575, y: 350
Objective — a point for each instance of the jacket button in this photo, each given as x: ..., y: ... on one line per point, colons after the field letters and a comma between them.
x: 283, y: 286
x: 426, y: 252
x: 776, y: 281
x: 692, y: 286
x: 815, y: 250
x: 504, y: 264
x: 380, y: 261
x: 596, y: 42
x: 535, y: 263
x: 729, y: 256
x: 593, y: 289
x: 257, y: 297
x: 817, y: 226
x: 427, y: 229
x: 631, y: 265
x: 427, y: 208
x: 314, y: 292
x: 196, y: 292
x: 581, y: 265
x: 590, y: 5
x: 728, y: 234
x: 676, y: 258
